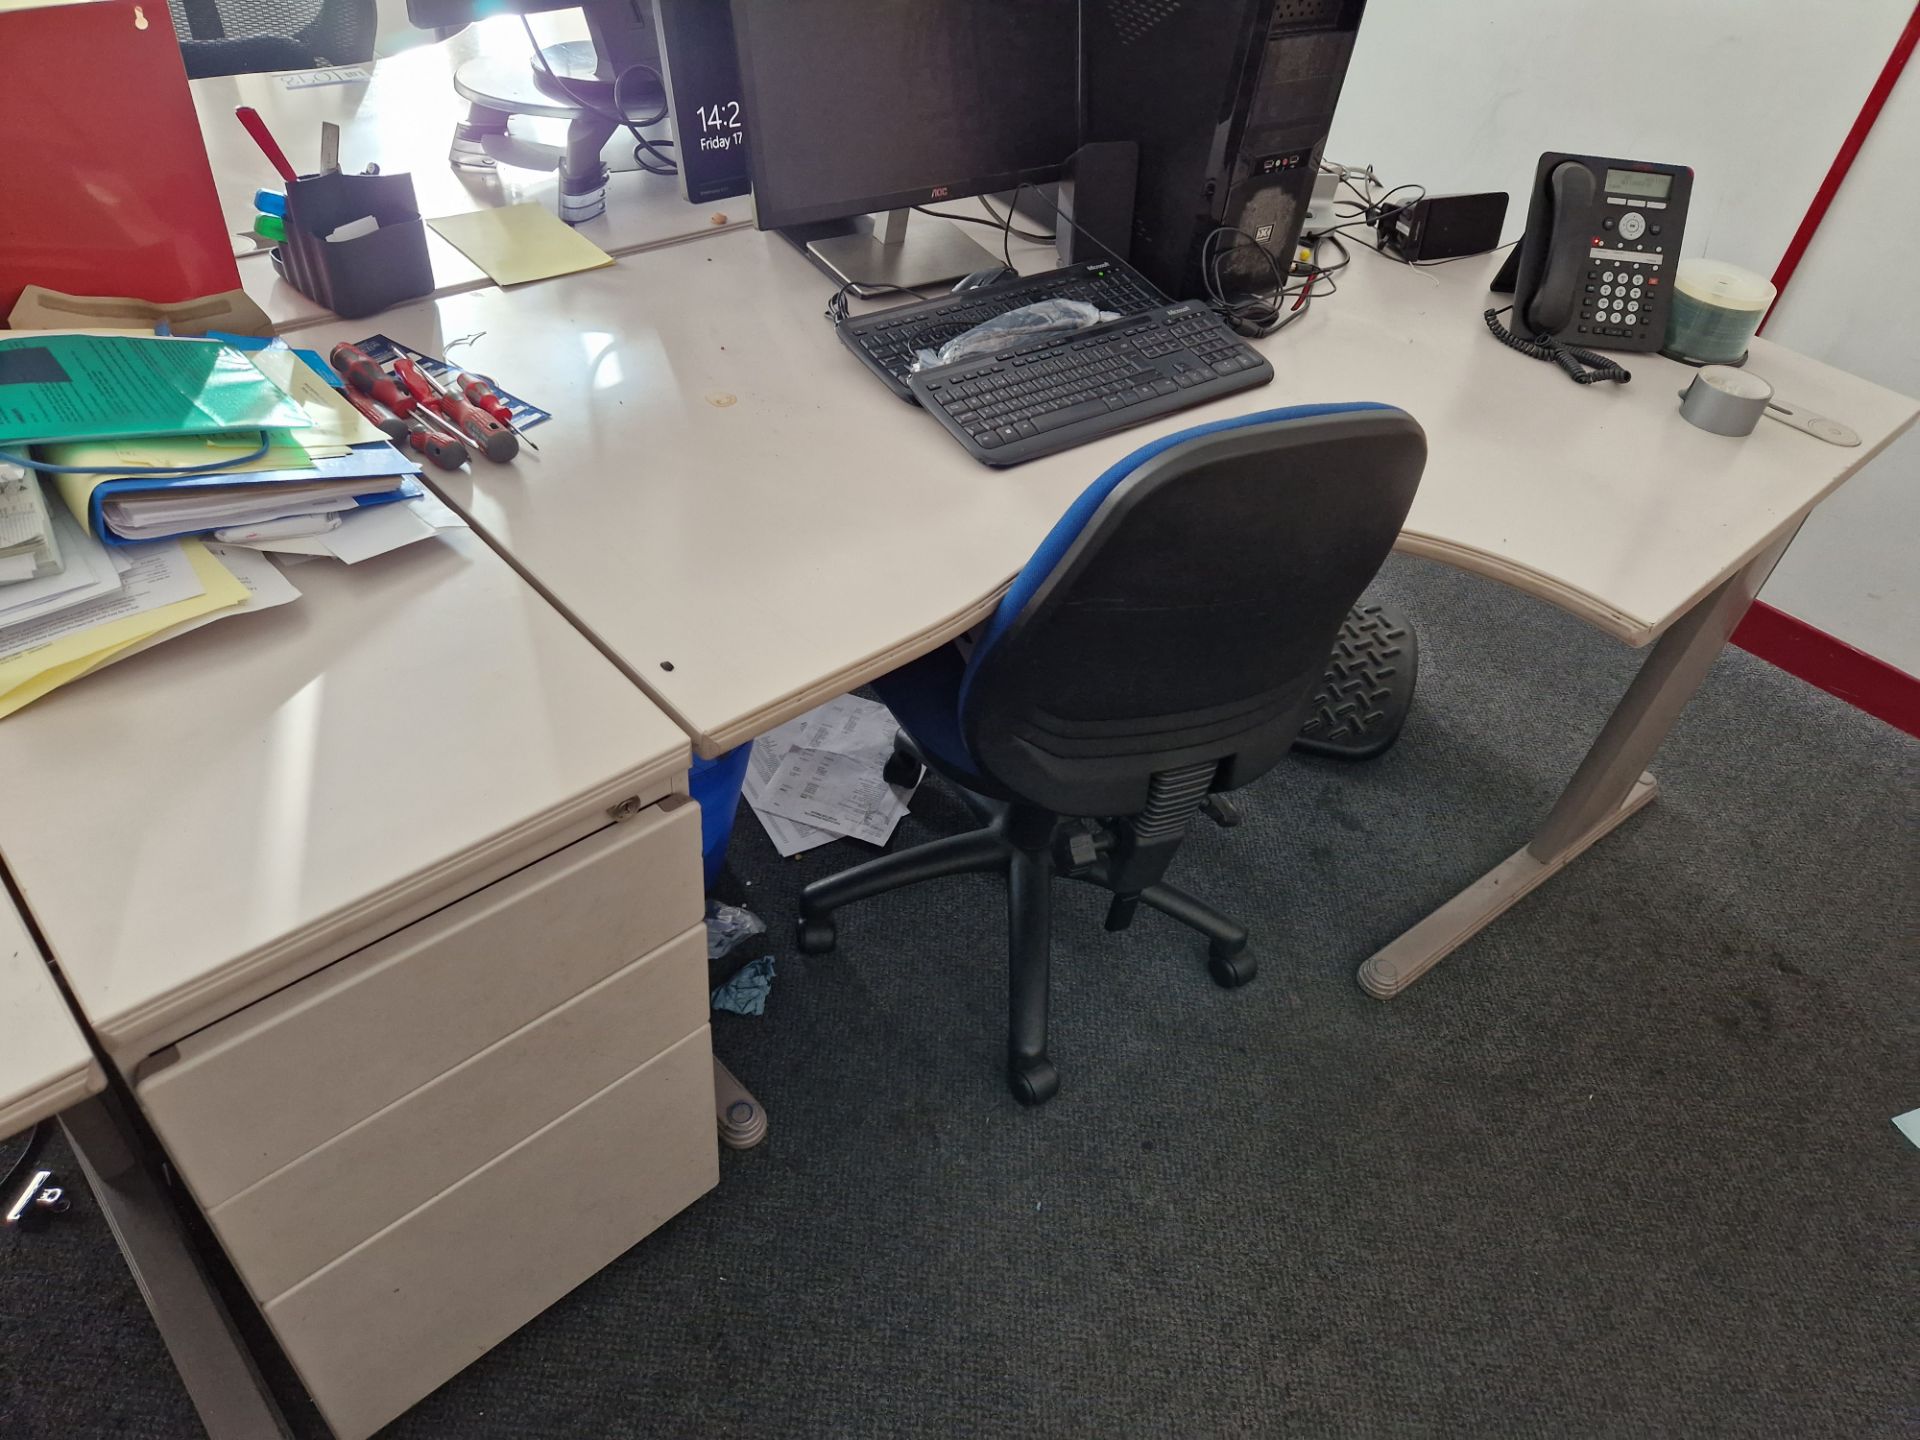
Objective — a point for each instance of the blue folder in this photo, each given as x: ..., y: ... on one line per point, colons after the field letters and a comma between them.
x: 371, y: 462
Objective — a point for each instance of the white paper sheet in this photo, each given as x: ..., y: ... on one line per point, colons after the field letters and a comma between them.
x: 90, y: 572
x: 362, y: 534
x: 161, y: 575
x: 856, y: 729
x: 789, y: 837
x: 845, y: 794
x: 437, y: 513
x: 1909, y: 1125
x: 266, y: 588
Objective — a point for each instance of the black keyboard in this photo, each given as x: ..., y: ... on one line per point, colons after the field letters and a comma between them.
x: 888, y: 339
x: 1051, y: 394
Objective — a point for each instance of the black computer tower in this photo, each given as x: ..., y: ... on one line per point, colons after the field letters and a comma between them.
x: 1230, y: 102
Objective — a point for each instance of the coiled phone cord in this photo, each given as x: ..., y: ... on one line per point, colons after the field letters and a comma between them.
x: 1583, y: 366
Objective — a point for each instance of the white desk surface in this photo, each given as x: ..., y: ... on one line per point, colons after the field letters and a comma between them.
x: 726, y: 489
x: 45, y: 1064
x: 208, y: 821
x: 403, y: 121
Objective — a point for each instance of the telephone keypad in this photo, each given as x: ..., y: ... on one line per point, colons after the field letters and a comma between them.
x: 1613, y: 302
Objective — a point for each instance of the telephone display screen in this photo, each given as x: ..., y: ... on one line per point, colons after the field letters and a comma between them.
x: 1639, y: 182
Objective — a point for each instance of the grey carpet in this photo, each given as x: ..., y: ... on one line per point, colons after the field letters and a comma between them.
x: 1622, y: 1166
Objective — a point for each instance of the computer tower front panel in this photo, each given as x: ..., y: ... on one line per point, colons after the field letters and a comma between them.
x: 1230, y: 102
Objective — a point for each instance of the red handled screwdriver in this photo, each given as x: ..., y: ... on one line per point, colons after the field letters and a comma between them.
x: 385, y: 421
x: 447, y: 454
x: 481, y: 394
x: 420, y: 389
x: 357, y: 368
x: 488, y: 435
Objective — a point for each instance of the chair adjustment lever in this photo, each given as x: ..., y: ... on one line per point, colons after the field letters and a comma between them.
x: 1222, y: 811
x: 1077, y: 851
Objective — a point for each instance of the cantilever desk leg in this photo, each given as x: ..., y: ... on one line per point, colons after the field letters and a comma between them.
x: 1611, y: 783
x: 219, y: 1374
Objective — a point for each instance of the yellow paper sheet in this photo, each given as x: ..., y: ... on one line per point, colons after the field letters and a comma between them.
x: 518, y: 243
x: 27, y: 677
x: 330, y: 420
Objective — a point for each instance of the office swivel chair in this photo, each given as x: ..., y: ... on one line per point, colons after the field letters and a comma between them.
x: 1157, y: 650
x: 245, y: 37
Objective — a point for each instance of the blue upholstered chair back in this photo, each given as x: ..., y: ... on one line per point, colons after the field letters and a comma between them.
x: 1182, y: 608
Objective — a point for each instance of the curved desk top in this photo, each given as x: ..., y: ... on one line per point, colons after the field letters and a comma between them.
x: 725, y: 491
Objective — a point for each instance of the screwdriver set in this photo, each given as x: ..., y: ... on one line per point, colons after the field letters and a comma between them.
x: 423, y: 403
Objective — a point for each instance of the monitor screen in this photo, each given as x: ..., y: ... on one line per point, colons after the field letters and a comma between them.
x: 863, y: 105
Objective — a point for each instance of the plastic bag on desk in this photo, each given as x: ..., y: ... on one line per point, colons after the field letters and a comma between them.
x: 1014, y: 327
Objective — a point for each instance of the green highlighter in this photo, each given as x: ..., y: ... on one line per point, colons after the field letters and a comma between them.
x: 99, y: 387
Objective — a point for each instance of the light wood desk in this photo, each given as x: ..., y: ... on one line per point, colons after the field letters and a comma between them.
x: 386, y: 906
x: 402, y: 120
x: 45, y: 1063
x: 802, y: 531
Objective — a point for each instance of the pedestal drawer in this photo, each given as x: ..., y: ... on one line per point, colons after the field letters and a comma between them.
x: 240, y: 1099
x: 376, y: 1330
x: 283, y: 1228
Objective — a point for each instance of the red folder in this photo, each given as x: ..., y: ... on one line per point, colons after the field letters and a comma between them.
x: 104, y: 184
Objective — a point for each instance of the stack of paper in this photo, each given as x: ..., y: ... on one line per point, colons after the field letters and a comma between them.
x: 817, y: 778
x: 161, y: 437
x: 27, y: 547
x: 109, y: 604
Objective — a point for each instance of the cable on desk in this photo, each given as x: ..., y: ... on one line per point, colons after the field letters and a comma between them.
x: 48, y: 468
x: 836, y: 310
x: 618, y: 114
x: 998, y: 222
x: 1583, y: 367
x: 1033, y: 237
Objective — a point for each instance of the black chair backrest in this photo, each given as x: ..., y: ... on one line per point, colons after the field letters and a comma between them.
x: 241, y: 37
x: 1186, y: 618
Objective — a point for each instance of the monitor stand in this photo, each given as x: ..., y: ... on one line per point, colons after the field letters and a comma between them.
x: 877, y: 251
x: 497, y: 87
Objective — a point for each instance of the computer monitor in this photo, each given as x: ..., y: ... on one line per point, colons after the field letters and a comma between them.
x: 864, y: 106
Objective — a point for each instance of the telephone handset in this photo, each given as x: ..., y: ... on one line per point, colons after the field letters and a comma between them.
x: 1595, y: 268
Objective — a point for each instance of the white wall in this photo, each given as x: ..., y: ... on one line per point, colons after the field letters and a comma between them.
x: 1755, y: 95
x: 1855, y: 302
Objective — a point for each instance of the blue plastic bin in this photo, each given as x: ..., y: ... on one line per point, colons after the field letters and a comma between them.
x: 716, y: 788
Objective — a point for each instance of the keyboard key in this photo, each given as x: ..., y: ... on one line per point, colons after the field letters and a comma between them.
x: 1072, y: 415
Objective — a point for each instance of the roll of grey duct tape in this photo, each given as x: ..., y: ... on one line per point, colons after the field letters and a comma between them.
x: 1725, y: 400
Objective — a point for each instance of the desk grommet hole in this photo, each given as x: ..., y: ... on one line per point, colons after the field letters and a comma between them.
x: 666, y: 665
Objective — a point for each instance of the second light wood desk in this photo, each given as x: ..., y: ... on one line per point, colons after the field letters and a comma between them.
x: 747, y: 523
x: 386, y: 907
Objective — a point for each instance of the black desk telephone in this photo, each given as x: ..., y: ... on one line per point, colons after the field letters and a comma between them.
x: 1595, y: 268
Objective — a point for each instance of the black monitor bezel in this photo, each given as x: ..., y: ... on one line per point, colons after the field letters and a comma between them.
x: 959, y: 188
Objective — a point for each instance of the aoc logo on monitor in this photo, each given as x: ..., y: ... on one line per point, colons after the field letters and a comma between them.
x: 940, y: 192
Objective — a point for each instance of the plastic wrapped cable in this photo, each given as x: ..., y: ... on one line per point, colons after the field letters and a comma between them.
x: 1043, y: 317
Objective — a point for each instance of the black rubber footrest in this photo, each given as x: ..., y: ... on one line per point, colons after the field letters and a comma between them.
x: 1367, y: 689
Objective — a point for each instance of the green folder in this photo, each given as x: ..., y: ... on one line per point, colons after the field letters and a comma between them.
x: 98, y: 387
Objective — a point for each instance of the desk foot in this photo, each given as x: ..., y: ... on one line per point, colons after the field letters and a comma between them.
x: 743, y: 1124
x: 1405, y: 960
x: 219, y: 1375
